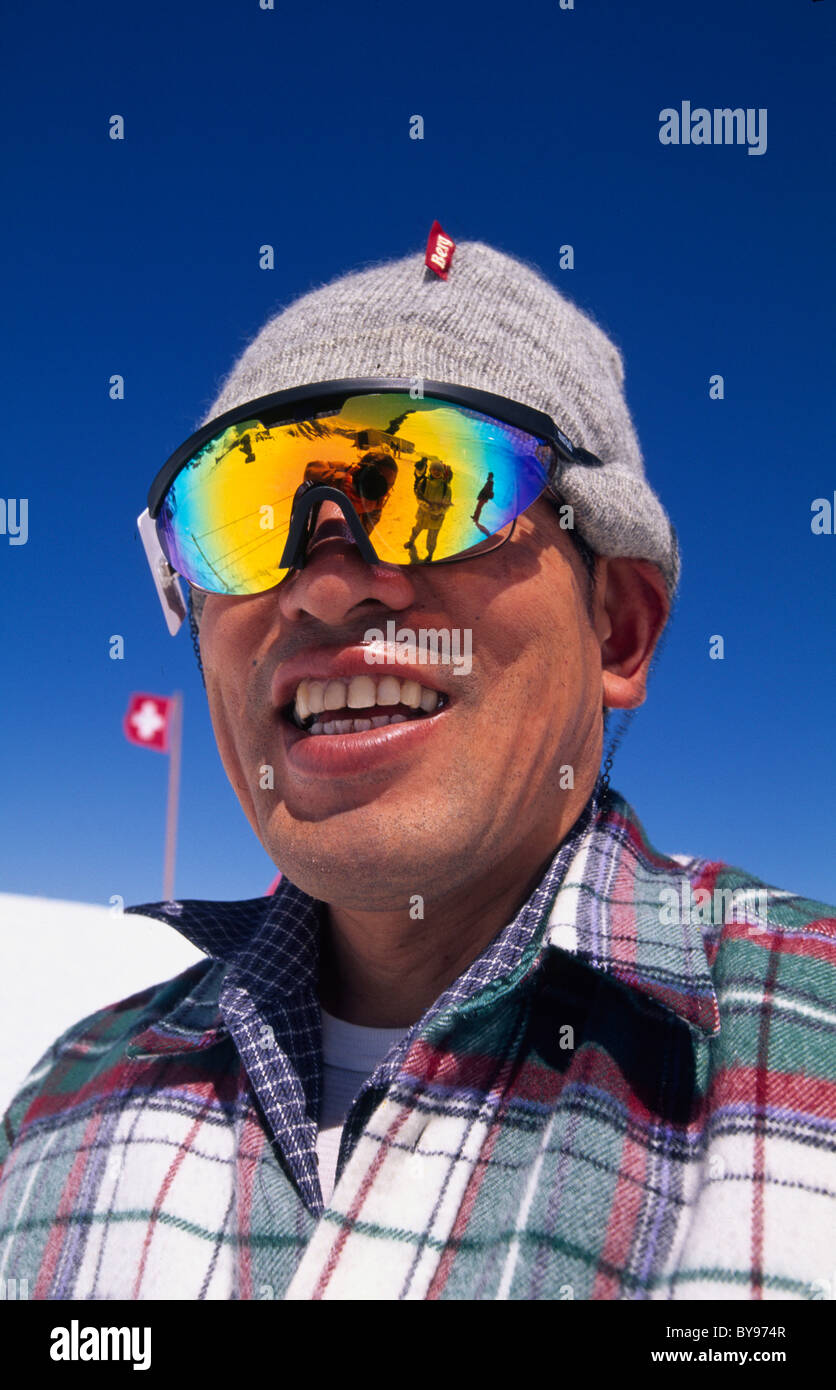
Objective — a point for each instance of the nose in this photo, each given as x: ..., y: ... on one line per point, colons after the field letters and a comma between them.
x: 330, y: 525
x: 337, y: 584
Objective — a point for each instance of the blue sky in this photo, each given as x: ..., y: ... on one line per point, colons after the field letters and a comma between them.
x: 246, y: 126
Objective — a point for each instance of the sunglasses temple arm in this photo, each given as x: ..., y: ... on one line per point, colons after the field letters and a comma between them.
x: 567, y: 452
x: 165, y: 579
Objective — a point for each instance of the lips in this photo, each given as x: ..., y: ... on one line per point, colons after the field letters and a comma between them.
x: 364, y: 737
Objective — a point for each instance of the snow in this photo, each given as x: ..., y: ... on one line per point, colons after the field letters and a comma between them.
x: 60, y: 961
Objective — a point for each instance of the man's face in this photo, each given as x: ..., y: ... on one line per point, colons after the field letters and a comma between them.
x: 368, y: 819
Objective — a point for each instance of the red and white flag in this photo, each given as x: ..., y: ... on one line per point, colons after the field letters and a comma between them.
x: 148, y: 721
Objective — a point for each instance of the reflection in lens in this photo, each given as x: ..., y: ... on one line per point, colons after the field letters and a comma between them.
x: 429, y: 480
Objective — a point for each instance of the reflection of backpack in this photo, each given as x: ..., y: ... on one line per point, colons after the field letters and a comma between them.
x: 421, y: 471
x: 421, y: 487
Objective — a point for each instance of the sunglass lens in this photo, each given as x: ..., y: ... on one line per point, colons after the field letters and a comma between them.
x: 428, y: 479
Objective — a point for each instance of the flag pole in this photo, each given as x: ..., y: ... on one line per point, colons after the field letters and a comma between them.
x: 175, y: 744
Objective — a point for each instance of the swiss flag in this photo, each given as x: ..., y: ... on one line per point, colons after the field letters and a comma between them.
x: 148, y: 721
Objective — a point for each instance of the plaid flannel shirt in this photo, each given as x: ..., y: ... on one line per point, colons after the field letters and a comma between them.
x: 629, y: 1094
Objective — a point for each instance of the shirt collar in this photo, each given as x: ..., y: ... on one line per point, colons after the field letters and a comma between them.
x: 613, y: 913
x: 599, y: 901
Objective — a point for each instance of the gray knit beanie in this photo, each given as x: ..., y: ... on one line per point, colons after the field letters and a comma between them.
x: 494, y: 324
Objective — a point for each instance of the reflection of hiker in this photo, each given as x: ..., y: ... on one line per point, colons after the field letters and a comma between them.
x: 434, y: 497
x: 484, y: 496
x: 367, y: 484
x: 420, y: 471
x: 245, y: 443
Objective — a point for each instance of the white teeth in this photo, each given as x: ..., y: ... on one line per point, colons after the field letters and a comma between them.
x: 410, y: 694
x: 388, y: 691
x: 334, y: 697
x: 356, y: 726
x: 361, y: 692
x: 303, y: 703
x: 316, y: 690
x: 314, y: 697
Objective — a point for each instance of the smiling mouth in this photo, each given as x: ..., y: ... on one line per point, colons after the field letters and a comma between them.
x: 360, y: 704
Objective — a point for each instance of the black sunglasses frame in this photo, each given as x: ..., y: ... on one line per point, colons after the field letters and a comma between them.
x: 284, y: 405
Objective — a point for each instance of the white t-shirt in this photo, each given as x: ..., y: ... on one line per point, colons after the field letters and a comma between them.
x: 350, y: 1053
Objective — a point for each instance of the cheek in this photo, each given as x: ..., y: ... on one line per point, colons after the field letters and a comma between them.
x: 225, y: 666
x: 533, y: 643
x: 225, y: 726
x: 230, y: 636
x: 533, y: 631
x: 230, y: 727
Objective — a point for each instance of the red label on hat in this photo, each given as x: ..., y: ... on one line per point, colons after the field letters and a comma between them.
x: 440, y: 248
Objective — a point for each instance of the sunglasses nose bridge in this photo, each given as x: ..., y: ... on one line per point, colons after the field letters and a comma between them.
x: 304, y: 519
x: 326, y: 520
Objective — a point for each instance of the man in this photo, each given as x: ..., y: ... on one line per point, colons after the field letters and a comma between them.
x: 484, y: 495
x: 485, y: 1041
x: 434, y: 497
x: 367, y: 483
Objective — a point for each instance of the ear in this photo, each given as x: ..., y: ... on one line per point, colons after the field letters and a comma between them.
x: 631, y: 607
